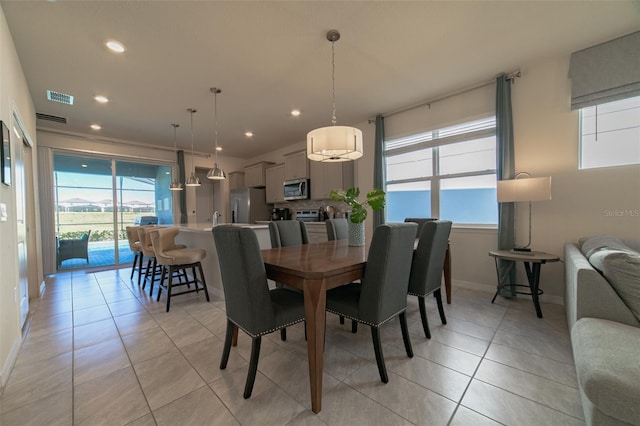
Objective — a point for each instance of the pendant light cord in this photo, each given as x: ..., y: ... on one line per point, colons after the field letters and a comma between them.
x: 175, y: 146
x: 215, y: 122
x: 333, y: 82
x: 193, y: 169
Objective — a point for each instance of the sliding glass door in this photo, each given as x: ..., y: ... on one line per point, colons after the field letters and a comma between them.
x: 97, y: 198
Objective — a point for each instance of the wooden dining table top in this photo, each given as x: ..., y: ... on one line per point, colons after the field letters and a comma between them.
x: 317, y: 260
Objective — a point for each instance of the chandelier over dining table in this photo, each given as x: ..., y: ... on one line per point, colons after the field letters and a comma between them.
x: 334, y: 143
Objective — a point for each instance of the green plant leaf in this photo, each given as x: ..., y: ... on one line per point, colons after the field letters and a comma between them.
x: 375, y: 199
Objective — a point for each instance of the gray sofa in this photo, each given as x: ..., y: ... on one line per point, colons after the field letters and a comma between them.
x: 605, y: 330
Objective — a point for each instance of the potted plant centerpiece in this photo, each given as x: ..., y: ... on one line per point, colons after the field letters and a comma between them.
x: 375, y: 199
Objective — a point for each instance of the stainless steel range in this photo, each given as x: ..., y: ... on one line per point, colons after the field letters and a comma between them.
x: 307, y: 215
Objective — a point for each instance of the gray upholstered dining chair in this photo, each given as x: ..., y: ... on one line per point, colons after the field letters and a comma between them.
x: 286, y: 233
x: 426, y: 267
x: 382, y: 294
x: 337, y: 229
x: 420, y: 221
x: 250, y: 305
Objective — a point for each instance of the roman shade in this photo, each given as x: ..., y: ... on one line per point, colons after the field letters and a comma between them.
x: 605, y: 73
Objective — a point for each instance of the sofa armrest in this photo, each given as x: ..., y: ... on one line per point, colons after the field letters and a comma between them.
x: 589, y: 294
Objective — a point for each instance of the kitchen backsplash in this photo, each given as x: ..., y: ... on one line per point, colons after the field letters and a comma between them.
x: 313, y: 205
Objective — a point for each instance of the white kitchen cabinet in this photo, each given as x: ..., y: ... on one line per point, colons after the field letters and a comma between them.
x: 327, y: 176
x: 254, y: 174
x: 236, y: 180
x: 274, y: 176
x: 296, y: 165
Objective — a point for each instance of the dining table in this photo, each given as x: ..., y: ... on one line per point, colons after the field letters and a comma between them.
x: 314, y: 269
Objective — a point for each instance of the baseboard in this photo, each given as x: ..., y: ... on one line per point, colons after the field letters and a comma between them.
x: 491, y: 288
x: 11, y: 360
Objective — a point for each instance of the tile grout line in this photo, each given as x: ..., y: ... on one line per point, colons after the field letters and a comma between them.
x: 474, y: 374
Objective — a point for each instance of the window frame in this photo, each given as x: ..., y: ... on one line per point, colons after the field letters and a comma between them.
x: 431, y: 139
x: 581, y: 135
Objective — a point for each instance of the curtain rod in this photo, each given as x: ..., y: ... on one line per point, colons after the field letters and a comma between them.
x: 510, y: 76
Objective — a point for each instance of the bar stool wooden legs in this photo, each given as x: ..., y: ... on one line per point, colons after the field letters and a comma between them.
x: 134, y: 245
x: 172, y: 271
x: 174, y: 260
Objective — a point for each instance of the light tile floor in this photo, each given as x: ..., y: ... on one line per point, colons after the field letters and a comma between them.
x: 99, y: 351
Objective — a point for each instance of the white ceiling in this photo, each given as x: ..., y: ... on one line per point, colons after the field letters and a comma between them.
x: 270, y: 57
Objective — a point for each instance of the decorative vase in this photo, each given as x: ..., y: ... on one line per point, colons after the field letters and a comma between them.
x: 356, y: 234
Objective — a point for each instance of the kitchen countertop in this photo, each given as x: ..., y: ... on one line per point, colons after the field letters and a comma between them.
x: 266, y: 222
x: 207, y: 226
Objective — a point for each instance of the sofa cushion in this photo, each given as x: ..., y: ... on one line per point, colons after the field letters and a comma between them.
x: 590, y: 245
x: 606, y: 358
x: 622, y: 270
x: 597, y: 248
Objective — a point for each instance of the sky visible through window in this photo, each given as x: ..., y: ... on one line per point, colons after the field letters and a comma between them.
x: 610, y: 134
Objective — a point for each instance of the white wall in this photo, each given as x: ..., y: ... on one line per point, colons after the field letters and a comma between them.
x: 546, y: 139
x: 546, y: 144
x: 14, y: 98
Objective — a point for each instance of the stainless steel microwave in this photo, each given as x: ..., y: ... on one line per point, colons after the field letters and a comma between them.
x: 296, y: 189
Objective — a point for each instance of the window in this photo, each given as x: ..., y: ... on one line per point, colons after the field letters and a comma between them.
x: 104, y: 196
x: 610, y: 134
x: 448, y: 173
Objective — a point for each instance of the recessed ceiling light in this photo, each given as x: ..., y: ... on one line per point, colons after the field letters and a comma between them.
x: 218, y: 148
x: 101, y: 99
x: 115, y: 46
x: 295, y: 112
x: 96, y: 127
x: 248, y: 134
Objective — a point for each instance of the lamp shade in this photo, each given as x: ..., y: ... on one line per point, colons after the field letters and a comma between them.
x: 193, y: 180
x: 334, y: 143
x: 176, y: 186
x: 216, y: 173
x: 529, y: 189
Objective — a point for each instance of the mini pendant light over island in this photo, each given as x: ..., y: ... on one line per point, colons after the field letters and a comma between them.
x: 216, y: 173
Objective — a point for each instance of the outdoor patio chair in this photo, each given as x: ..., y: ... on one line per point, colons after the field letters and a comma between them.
x: 73, y: 249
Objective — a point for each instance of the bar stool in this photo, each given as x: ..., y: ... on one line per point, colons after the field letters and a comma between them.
x: 149, y: 254
x: 134, y: 246
x: 174, y: 259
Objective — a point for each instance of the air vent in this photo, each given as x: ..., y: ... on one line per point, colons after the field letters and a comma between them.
x: 54, y: 118
x: 59, y: 97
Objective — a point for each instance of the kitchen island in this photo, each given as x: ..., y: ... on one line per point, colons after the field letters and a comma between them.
x: 199, y: 235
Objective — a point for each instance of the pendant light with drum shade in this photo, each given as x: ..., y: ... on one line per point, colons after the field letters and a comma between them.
x: 176, y: 185
x: 193, y: 180
x: 334, y: 143
x: 216, y: 173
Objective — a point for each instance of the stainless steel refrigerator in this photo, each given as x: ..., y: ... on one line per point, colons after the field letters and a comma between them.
x: 249, y: 205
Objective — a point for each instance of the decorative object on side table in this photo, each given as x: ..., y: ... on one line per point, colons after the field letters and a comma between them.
x: 6, y: 155
x: 375, y: 199
x: 524, y: 188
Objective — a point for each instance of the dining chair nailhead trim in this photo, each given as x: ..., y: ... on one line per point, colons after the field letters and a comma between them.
x: 366, y: 322
x: 265, y: 332
x: 411, y: 293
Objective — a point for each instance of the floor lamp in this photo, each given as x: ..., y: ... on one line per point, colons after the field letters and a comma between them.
x: 524, y: 188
